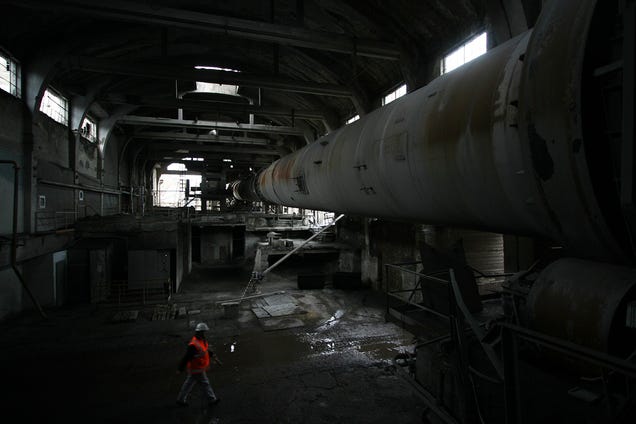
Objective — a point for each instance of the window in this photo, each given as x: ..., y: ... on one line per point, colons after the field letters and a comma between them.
x: 401, y: 90
x: 210, y: 87
x: 55, y: 106
x: 467, y: 52
x: 171, y: 190
x: 9, y: 75
x: 176, y: 166
x: 352, y: 119
x: 88, y: 129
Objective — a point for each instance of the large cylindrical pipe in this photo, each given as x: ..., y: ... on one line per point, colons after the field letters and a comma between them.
x: 588, y: 303
x: 495, y: 145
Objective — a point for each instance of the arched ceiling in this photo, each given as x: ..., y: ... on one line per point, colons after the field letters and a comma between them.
x: 306, y: 66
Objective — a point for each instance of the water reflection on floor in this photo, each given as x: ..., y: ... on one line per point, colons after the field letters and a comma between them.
x: 335, y: 368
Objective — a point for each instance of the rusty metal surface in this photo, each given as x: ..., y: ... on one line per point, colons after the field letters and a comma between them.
x: 494, y: 145
x: 584, y: 302
x: 551, y: 127
x: 424, y: 157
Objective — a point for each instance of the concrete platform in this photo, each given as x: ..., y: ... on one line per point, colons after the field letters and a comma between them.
x: 333, y: 367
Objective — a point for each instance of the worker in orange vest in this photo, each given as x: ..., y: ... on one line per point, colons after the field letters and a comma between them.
x: 197, y: 361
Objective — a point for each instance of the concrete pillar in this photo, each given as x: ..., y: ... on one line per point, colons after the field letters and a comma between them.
x: 519, y: 253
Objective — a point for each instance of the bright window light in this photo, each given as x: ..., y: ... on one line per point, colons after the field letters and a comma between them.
x: 9, y: 76
x: 467, y: 52
x: 401, y: 90
x: 171, y: 191
x: 227, y: 160
x: 193, y: 159
x: 88, y: 129
x: 210, y: 87
x: 216, y: 68
x: 352, y: 119
x: 176, y: 166
x: 55, y: 106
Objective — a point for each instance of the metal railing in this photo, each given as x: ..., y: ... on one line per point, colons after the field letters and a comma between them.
x: 121, y: 293
x: 410, y: 296
x: 505, y: 361
x: 511, y: 335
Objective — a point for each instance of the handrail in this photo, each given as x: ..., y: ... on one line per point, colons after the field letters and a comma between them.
x: 580, y: 352
x: 474, y: 325
x: 505, y: 362
x: 459, y: 301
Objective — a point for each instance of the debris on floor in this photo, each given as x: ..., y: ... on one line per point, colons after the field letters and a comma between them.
x: 274, y: 324
x: 164, y: 312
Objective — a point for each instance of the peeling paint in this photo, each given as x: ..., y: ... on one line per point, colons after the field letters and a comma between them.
x: 541, y: 159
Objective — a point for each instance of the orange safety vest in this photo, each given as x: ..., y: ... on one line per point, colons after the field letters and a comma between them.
x: 201, y: 361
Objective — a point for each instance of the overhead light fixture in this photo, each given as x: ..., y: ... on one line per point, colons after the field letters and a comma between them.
x: 227, y: 160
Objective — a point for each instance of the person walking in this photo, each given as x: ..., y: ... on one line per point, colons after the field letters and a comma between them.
x: 197, y: 362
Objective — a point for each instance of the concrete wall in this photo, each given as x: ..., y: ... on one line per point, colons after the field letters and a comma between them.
x: 11, y: 129
x: 10, y: 293
x: 183, y: 253
x: 148, y: 268
x: 349, y: 260
x: 47, y: 151
x: 88, y: 160
x: 216, y: 246
x: 113, y: 172
x: 59, y: 202
x: 50, y: 140
x: 39, y: 276
x: 375, y: 243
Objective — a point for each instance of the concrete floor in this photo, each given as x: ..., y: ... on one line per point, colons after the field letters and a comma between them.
x: 334, y: 366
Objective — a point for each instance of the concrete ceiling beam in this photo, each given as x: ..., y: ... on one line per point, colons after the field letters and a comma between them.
x: 200, y: 138
x: 228, y: 26
x: 226, y: 150
x: 186, y: 123
x: 215, y: 106
x: 108, y: 66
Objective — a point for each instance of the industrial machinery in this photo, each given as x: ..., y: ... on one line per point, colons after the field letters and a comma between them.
x: 535, y: 138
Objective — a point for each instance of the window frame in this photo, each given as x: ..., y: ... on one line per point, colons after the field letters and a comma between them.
x: 394, y: 94
x: 65, y: 107
x: 92, y: 136
x: 14, y: 75
x: 443, y: 67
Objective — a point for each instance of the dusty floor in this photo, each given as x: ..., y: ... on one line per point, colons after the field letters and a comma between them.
x: 332, y: 366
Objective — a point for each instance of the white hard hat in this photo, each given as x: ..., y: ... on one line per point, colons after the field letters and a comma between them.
x: 201, y: 327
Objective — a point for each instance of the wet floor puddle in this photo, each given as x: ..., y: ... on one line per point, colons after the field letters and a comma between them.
x: 279, y: 348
